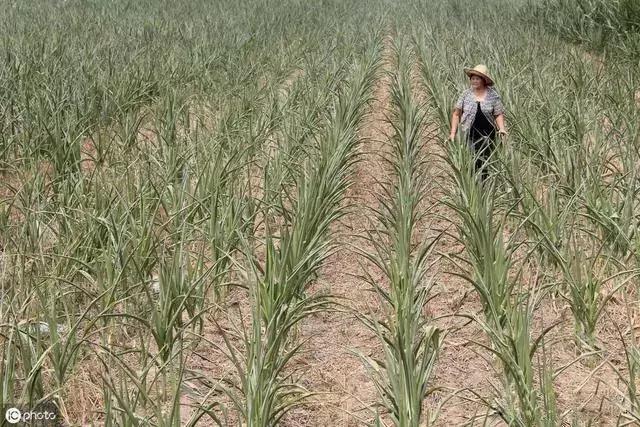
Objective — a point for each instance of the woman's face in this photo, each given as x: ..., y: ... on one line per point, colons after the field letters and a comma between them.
x: 477, y: 82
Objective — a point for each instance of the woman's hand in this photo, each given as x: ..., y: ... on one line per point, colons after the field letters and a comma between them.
x: 502, y: 130
x: 452, y: 136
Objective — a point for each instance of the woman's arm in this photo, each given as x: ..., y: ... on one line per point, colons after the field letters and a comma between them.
x: 500, y: 123
x: 455, y: 121
x: 498, y: 112
x: 457, y: 112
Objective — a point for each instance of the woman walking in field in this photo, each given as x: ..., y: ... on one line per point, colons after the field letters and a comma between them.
x: 479, y: 111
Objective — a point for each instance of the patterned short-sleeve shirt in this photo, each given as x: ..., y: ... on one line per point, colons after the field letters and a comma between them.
x: 491, y: 107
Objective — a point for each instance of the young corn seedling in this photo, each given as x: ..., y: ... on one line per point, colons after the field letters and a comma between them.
x: 481, y: 233
x: 611, y: 207
x: 225, y: 214
x: 24, y: 359
x: 630, y: 406
x: 585, y: 289
x: 150, y: 395
x: 143, y: 379
x: 545, y: 213
x: 524, y: 402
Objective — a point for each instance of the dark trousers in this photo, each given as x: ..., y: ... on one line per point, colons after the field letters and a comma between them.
x: 482, y: 147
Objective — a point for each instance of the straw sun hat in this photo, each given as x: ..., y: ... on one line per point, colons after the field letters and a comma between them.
x: 479, y: 70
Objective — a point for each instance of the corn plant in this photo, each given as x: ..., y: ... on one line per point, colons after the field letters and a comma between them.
x: 131, y: 397
x: 585, y: 278
x: 546, y: 214
x: 612, y: 209
x: 631, y: 395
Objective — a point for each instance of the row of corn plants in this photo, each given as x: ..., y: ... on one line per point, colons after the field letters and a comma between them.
x: 410, y: 344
